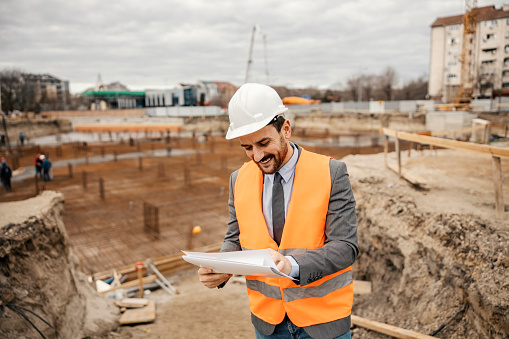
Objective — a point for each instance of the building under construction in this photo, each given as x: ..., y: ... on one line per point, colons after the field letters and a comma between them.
x: 480, y: 61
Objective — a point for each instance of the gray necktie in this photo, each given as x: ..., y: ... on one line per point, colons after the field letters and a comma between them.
x: 278, y: 208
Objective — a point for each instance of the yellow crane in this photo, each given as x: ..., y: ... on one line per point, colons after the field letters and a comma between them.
x: 466, y: 89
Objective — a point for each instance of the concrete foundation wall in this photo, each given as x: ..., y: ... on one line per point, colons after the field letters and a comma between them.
x: 445, y: 121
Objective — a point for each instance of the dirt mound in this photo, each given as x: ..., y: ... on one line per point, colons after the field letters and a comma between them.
x: 428, y: 260
x: 39, y: 273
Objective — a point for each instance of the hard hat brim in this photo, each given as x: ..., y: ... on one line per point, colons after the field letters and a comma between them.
x: 251, y: 128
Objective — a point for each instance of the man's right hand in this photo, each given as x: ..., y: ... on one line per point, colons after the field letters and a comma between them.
x: 210, y: 279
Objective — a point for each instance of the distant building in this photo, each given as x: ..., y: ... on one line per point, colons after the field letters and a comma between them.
x: 101, y: 100
x: 114, y: 95
x: 204, y: 93
x: 491, y: 53
x: 49, y: 91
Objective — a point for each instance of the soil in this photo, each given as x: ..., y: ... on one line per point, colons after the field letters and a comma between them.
x: 429, y: 252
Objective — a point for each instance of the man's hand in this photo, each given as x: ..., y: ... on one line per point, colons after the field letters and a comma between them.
x: 283, y: 264
x: 210, y: 279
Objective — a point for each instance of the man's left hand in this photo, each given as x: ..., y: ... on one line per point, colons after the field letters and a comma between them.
x: 282, y: 262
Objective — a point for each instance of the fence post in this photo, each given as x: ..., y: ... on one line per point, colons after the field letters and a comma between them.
x: 497, y: 180
x: 151, y: 219
x: 115, y: 156
x: 101, y: 187
x: 398, y: 151
x: 102, y: 151
x: 84, y: 177
x: 140, y: 163
x: 69, y: 166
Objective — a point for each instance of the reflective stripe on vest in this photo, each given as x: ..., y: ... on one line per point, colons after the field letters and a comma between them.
x: 303, y: 292
x: 324, y: 300
x: 267, y: 290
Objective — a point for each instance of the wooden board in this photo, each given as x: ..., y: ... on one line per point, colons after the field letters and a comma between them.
x: 393, y: 331
x: 361, y: 287
x: 409, y: 176
x: 132, y: 302
x: 133, y: 283
x: 447, y: 143
x: 139, y: 315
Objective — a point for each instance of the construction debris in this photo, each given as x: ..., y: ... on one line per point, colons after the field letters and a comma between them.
x: 144, y: 314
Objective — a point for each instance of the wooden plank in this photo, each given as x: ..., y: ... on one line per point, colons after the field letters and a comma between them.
x: 497, y: 180
x: 139, y: 315
x: 132, y: 302
x: 386, y: 149
x: 393, y: 331
x: 398, y: 152
x: 362, y: 287
x: 165, y: 261
x: 411, y: 177
x: 446, y: 143
x: 132, y: 283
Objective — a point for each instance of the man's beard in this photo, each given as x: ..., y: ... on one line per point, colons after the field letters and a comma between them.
x: 279, y: 157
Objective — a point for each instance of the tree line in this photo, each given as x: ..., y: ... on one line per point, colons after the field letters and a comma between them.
x: 366, y: 87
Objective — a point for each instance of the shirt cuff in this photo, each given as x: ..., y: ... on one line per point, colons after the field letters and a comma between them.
x: 295, y: 267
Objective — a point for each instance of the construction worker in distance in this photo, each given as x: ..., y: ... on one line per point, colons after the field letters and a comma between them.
x: 312, y: 237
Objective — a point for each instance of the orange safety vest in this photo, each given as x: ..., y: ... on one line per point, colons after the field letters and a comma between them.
x: 327, y: 299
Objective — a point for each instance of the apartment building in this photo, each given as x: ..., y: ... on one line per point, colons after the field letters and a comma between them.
x: 50, y: 92
x: 491, y: 54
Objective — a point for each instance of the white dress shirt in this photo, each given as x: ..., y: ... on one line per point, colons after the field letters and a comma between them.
x: 287, y: 173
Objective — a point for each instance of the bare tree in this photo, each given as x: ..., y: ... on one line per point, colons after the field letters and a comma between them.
x: 17, y: 94
x: 352, y: 87
x: 415, y: 89
x: 368, y: 83
x: 387, y: 81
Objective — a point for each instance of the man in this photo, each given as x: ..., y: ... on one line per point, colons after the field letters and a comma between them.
x: 38, y: 166
x: 22, y: 138
x: 46, y: 168
x: 5, y: 175
x: 306, y: 217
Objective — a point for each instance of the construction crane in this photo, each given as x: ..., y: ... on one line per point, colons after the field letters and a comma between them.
x: 466, y: 89
x: 256, y: 29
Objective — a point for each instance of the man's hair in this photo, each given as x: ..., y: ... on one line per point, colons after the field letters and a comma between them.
x: 277, y: 122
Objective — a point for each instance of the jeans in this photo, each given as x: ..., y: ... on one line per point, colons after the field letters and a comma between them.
x: 287, y: 330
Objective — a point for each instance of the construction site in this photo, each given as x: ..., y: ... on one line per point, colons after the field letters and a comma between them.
x: 433, y: 238
x: 93, y: 247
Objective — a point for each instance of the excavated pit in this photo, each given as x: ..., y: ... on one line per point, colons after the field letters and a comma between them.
x: 39, y: 273
x: 428, y: 262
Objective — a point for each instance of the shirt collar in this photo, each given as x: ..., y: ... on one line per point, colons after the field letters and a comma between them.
x: 289, y: 168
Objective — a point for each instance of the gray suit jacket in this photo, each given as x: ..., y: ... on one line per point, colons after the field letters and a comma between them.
x: 339, y: 251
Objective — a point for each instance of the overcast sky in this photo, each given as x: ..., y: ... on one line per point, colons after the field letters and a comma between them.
x: 153, y: 44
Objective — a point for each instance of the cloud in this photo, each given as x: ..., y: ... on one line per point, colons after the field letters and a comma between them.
x: 153, y: 43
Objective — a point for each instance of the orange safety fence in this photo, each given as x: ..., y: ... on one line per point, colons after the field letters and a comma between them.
x: 129, y: 128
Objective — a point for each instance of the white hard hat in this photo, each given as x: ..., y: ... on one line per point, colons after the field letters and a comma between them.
x: 251, y: 108
x: 42, y: 157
